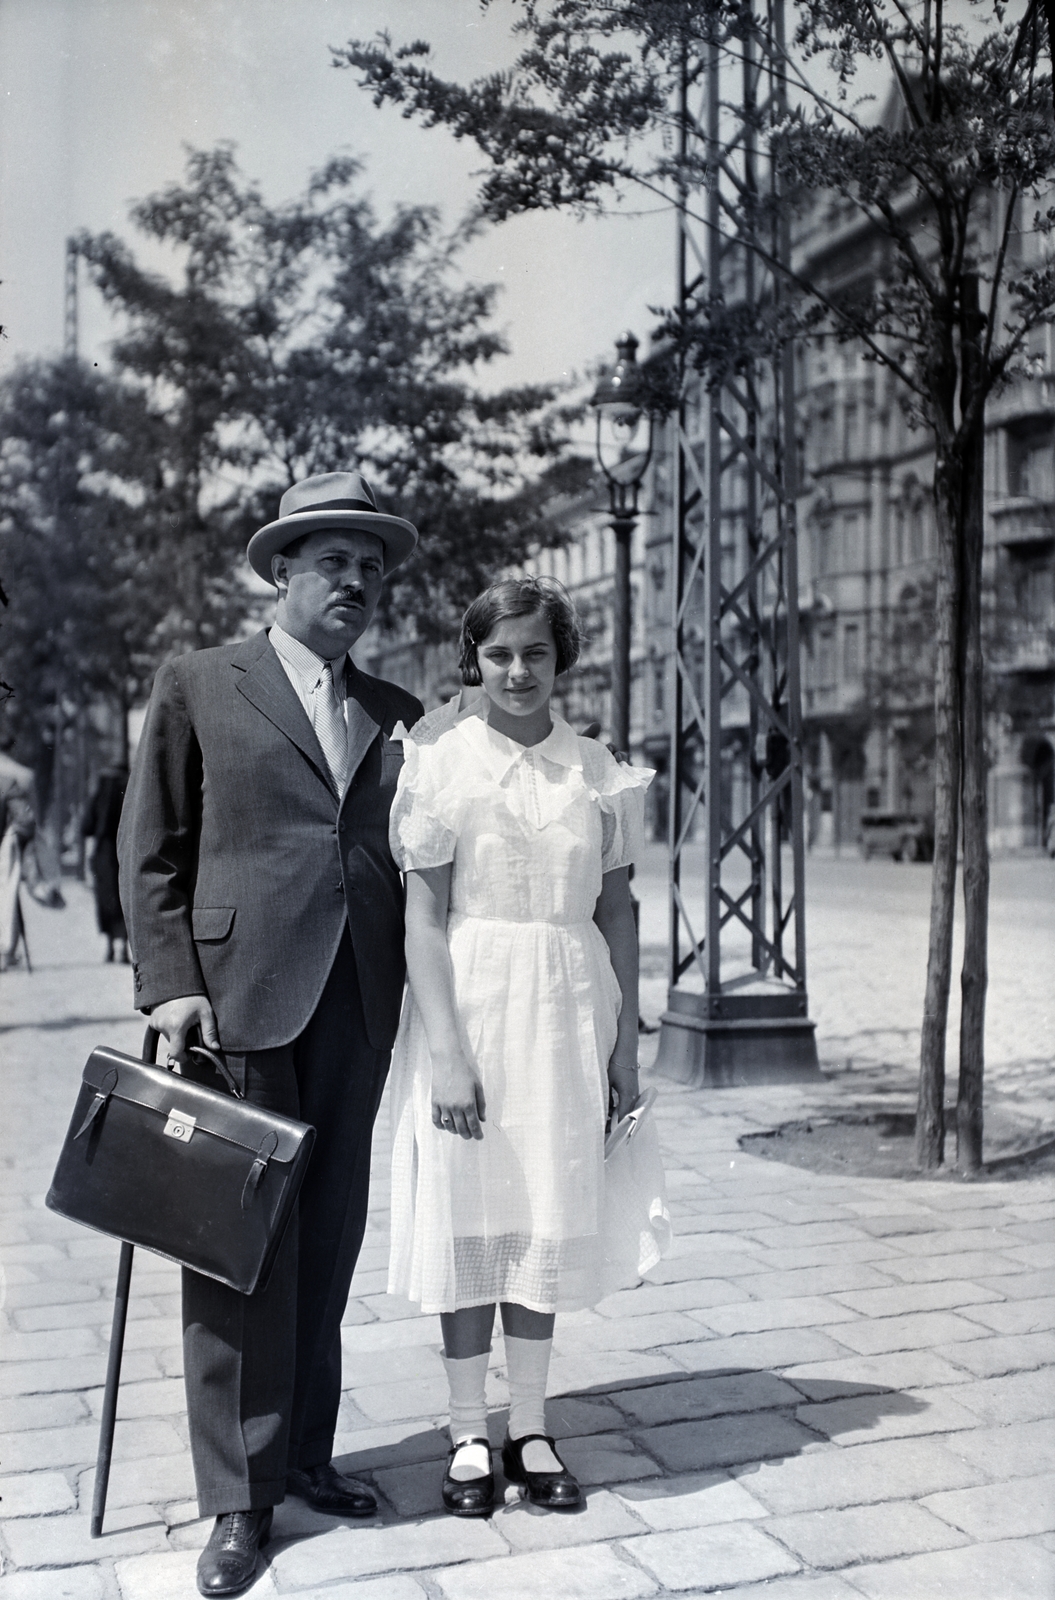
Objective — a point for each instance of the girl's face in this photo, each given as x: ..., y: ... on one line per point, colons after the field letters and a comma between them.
x: 518, y: 665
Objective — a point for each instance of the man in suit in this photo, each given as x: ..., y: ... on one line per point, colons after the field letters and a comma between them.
x: 264, y: 908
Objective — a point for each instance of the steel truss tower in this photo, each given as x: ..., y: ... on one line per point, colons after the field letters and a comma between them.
x: 737, y: 1007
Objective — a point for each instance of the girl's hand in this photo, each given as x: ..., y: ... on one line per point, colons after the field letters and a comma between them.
x: 458, y: 1104
x: 625, y: 1084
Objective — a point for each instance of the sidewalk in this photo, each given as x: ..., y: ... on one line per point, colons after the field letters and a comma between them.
x: 832, y: 1389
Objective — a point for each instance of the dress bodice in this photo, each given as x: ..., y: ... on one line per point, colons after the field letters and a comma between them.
x: 530, y: 832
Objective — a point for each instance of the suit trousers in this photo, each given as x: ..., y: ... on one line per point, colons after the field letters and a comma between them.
x: 263, y: 1371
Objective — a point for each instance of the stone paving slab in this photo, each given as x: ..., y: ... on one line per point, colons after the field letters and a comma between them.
x: 1011, y: 1568
x: 840, y: 1538
x: 833, y: 1387
x: 715, y: 1556
x: 595, y: 1572
x: 695, y: 1501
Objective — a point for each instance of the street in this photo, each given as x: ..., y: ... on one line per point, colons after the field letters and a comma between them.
x: 834, y: 1387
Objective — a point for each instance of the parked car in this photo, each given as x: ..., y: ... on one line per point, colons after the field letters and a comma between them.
x: 905, y: 835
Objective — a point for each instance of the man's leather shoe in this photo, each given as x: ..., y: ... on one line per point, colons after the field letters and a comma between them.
x: 227, y: 1565
x: 557, y: 1490
x: 329, y: 1490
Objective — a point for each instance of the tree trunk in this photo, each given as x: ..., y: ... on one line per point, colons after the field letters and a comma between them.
x: 974, y: 976
x: 930, y: 1114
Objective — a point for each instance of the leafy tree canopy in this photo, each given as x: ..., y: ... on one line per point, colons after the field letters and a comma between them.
x: 304, y: 336
x: 75, y: 550
x: 591, y: 108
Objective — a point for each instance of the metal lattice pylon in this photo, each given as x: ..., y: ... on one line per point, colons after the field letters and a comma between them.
x: 737, y: 1006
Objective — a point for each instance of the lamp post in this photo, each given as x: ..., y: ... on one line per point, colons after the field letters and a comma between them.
x: 619, y: 405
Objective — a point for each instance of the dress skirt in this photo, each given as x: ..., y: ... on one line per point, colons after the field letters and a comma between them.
x: 529, y: 833
x: 515, y: 1215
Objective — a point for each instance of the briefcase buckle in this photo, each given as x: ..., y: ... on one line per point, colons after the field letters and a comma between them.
x: 180, y: 1126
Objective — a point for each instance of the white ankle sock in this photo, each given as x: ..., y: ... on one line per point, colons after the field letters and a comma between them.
x: 527, y: 1367
x: 468, y: 1412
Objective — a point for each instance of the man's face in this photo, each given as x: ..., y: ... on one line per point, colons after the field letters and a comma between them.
x: 328, y: 590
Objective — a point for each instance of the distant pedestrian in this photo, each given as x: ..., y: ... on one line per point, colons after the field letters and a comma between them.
x: 18, y: 824
x: 100, y: 824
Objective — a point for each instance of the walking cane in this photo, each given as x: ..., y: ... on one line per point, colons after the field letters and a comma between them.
x: 113, y: 1365
x: 113, y: 1379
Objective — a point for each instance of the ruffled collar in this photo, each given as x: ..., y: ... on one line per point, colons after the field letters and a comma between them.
x: 501, y: 754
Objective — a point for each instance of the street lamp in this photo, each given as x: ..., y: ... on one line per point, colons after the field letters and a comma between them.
x: 623, y: 455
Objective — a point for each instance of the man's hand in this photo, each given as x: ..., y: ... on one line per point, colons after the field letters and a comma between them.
x: 175, y: 1019
x: 592, y: 730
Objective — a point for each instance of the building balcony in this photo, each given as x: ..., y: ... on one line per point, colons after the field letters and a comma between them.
x: 1030, y: 650
x: 1022, y: 402
x: 1022, y: 520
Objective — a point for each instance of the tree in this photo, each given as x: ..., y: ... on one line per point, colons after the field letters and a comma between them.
x: 75, y: 552
x: 302, y: 336
x: 953, y: 183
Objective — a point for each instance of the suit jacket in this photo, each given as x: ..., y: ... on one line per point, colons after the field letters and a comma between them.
x: 239, y: 862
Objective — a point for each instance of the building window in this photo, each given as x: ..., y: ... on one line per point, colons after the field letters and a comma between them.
x: 850, y: 445
x: 1031, y: 464
x: 826, y: 658
x: 825, y: 539
x: 852, y: 651
x: 825, y: 432
x: 851, y: 544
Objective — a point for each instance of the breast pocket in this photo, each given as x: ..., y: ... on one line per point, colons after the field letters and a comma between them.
x: 391, y: 762
x: 210, y: 924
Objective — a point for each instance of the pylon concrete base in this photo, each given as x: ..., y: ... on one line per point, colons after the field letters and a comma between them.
x: 725, y: 1052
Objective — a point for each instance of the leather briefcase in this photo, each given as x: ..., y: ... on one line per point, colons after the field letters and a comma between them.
x: 201, y: 1177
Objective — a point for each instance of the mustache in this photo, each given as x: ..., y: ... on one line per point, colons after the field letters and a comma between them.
x: 355, y: 597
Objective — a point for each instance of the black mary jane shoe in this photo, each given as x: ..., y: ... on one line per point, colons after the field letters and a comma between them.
x: 557, y: 1490
x: 468, y: 1497
x: 227, y: 1565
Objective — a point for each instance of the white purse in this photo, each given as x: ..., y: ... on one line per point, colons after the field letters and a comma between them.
x: 636, y: 1228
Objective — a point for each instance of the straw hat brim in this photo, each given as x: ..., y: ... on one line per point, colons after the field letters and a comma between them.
x: 396, y: 535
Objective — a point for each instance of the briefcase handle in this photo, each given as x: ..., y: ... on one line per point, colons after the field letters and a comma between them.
x: 152, y: 1038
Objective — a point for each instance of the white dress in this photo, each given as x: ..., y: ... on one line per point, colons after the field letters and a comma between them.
x: 517, y: 1215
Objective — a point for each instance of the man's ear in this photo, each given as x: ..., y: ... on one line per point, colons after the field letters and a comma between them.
x: 280, y: 572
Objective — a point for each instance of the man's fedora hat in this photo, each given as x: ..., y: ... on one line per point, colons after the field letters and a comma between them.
x: 342, y: 500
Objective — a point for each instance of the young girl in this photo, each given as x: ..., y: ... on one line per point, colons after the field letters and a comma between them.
x: 516, y: 836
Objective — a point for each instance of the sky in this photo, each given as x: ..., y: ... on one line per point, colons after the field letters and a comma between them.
x: 98, y: 99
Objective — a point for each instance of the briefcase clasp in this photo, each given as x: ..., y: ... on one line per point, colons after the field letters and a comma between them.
x: 180, y: 1127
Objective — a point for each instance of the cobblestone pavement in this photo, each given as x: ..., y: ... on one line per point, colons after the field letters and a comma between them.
x: 833, y: 1388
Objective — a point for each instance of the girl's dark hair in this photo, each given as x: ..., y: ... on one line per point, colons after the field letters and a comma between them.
x: 519, y: 597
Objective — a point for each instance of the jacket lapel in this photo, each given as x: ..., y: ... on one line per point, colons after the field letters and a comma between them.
x: 365, y: 710
x: 262, y: 680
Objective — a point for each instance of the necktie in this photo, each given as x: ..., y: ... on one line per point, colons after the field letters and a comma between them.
x: 330, y: 729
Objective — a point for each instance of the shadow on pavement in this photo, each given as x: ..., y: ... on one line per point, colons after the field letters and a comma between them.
x: 635, y: 1437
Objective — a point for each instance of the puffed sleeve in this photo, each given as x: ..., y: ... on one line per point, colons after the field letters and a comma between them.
x: 620, y: 792
x: 421, y: 831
